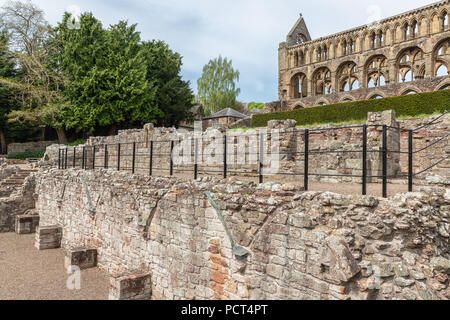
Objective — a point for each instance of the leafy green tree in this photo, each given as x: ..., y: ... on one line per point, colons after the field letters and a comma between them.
x: 106, y: 72
x: 7, y: 70
x: 255, y: 105
x: 217, y: 86
x: 173, y: 98
x: 36, y: 86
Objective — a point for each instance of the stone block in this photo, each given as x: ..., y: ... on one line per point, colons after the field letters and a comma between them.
x: 48, y: 237
x: 130, y: 286
x: 84, y: 258
x: 26, y: 224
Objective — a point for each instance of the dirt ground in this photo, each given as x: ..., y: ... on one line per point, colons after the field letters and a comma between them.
x: 29, y: 274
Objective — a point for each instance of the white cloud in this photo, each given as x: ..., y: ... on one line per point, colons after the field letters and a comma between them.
x: 246, y: 31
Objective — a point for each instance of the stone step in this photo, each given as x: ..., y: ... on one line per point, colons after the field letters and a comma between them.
x: 12, y: 183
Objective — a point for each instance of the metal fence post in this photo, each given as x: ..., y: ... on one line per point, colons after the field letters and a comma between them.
x: 306, y: 174
x: 118, y: 157
x: 59, y: 158
x: 133, y: 166
x: 83, y: 164
x: 93, y: 158
x: 364, y: 161
x: 410, y: 161
x: 195, y: 159
x: 384, y: 153
x: 151, y: 158
x: 74, y: 156
x: 106, y: 156
x: 225, y: 156
x: 171, y: 160
x: 65, y: 158
x: 261, y: 160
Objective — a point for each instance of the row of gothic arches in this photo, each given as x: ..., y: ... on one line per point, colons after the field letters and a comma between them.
x: 372, y: 39
x: 377, y: 95
x: 410, y: 65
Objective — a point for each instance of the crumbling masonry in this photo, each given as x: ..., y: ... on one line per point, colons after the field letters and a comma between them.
x: 404, y: 54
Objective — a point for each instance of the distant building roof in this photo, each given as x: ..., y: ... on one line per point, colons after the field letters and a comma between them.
x: 227, y: 113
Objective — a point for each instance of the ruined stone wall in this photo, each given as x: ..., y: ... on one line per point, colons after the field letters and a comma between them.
x: 14, y: 148
x: 346, y: 143
x: 16, y: 204
x: 303, y: 245
x: 395, y: 56
x: 423, y: 138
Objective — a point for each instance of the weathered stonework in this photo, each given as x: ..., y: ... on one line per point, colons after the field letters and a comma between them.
x: 130, y: 286
x: 26, y: 224
x: 14, y: 148
x: 48, y: 237
x: 399, y: 55
x: 84, y: 258
x: 344, y: 142
x: 15, y: 204
x: 303, y: 245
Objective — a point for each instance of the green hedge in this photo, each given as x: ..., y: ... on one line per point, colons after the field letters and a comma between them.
x: 27, y: 155
x: 409, y: 105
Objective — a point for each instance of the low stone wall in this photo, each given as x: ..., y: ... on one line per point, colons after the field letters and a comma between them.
x: 303, y: 245
x: 14, y: 148
x: 345, y: 144
x: 425, y: 137
x: 18, y: 203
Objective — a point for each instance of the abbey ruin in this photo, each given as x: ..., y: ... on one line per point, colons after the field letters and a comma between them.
x: 405, y: 54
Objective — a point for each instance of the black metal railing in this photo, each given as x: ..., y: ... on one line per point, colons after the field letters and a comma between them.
x: 141, y: 156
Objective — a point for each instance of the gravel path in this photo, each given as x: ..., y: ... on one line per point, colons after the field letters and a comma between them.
x: 29, y: 274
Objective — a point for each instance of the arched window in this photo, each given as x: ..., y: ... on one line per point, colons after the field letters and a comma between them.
x: 413, y: 28
x: 441, y: 58
x: 322, y: 81
x: 410, y: 65
x: 324, y: 53
x: 347, y: 77
x: 377, y: 96
x: 299, y: 86
x: 442, y: 71
x: 444, y: 19
x: 375, y: 71
x: 409, y: 92
x: 405, y: 31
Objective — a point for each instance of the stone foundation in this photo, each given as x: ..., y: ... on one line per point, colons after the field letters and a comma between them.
x: 303, y: 245
x: 16, y: 204
x: 26, y: 224
x: 130, y: 286
x: 48, y: 237
x: 344, y: 162
x: 84, y: 258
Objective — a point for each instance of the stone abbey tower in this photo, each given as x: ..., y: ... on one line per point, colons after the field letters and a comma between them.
x: 405, y: 54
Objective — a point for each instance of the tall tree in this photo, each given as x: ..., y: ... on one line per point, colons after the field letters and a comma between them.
x: 217, y: 86
x: 7, y: 70
x: 106, y: 74
x: 173, y: 97
x: 38, y: 87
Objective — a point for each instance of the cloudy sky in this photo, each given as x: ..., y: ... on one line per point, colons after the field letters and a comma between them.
x: 246, y: 31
